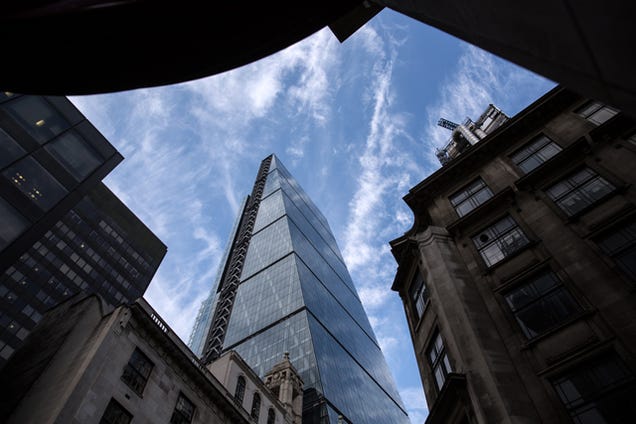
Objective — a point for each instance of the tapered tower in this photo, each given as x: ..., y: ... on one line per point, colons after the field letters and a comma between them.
x: 284, y: 287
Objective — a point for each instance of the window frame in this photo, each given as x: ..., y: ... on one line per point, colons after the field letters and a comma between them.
x: 418, y: 295
x: 558, y: 287
x: 271, y: 416
x: 137, y: 380
x: 469, y: 195
x: 586, y: 372
x: 534, y: 152
x: 255, y: 411
x: 440, y: 361
x: 239, y: 391
x: 485, y: 245
x: 591, y: 108
x: 614, y: 254
x: 179, y: 416
x: 114, y: 405
x: 575, y: 188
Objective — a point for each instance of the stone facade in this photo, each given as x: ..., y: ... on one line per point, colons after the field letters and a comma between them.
x: 83, y: 358
x: 521, y: 306
x: 229, y: 367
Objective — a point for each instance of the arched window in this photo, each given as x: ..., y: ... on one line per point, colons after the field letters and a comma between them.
x: 256, y: 406
x: 271, y: 416
x: 240, y: 390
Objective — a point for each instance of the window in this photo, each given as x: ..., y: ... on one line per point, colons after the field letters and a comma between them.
x: 115, y: 414
x: 620, y: 245
x: 256, y: 406
x: 75, y: 154
x: 541, y: 303
x: 240, y: 390
x: 470, y: 197
x: 438, y: 360
x: 10, y: 149
x: 271, y: 416
x: 596, y: 112
x: 137, y: 371
x: 579, y: 190
x: 500, y: 240
x: 35, y: 182
x: 36, y: 115
x: 13, y: 223
x: 601, y: 391
x: 536, y: 152
x: 418, y: 293
x: 183, y: 411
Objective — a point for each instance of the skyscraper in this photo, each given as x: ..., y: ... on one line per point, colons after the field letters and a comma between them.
x: 61, y: 230
x: 285, y: 288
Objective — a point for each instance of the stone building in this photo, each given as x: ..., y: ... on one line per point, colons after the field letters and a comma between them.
x: 88, y: 363
x: 518, y: 276
x: 273, y: 401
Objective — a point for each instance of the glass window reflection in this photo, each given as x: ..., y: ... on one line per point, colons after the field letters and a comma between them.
x: 75, y: 154
x: 37, y: 116
x: 35, y: 182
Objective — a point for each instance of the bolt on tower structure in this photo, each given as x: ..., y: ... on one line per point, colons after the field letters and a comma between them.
x: 284, y: 287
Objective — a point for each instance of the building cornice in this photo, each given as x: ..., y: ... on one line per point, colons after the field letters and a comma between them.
x: 146, y: 319
x: 531, y: 117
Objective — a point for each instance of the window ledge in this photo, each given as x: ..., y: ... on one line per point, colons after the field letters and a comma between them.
x: 486, y: 208
x: 556, y: 163
x: 452, y: 397
x: 530, y: 343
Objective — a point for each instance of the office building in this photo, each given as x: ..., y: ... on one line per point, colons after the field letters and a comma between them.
x: 518, y: 274
x: 88, y: 362
x: 62, y: 231
x: 285, y: 288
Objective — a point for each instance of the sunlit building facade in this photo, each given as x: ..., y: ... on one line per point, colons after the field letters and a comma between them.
x: 285, y: 288
x: 62, y: 230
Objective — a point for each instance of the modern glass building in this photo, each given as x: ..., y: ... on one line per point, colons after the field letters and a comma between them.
x: 61, y: 229
x: 285, y: 288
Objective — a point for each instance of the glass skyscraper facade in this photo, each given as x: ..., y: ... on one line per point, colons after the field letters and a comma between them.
x: 62, y: 230
x: 284, y: 287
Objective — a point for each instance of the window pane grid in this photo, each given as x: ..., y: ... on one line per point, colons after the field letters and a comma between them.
x: 438, y: 361
x: 598, y: 392
x: 620, y: 245
x: 183, y: 411
x: 537, y: 152
x: 471, y: 197
x: 137, y: 371
x: 579, y: 191
x: 500, y: 240
x: 596, y: 112
x: 115, y: 414
x: 419, y: 294
x: 541, y: 304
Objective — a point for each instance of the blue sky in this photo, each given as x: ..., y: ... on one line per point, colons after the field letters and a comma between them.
x: 355, y: 123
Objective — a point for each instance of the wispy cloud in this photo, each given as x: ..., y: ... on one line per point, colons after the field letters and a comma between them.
x: 415, y: 403
x: 191, y: 148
